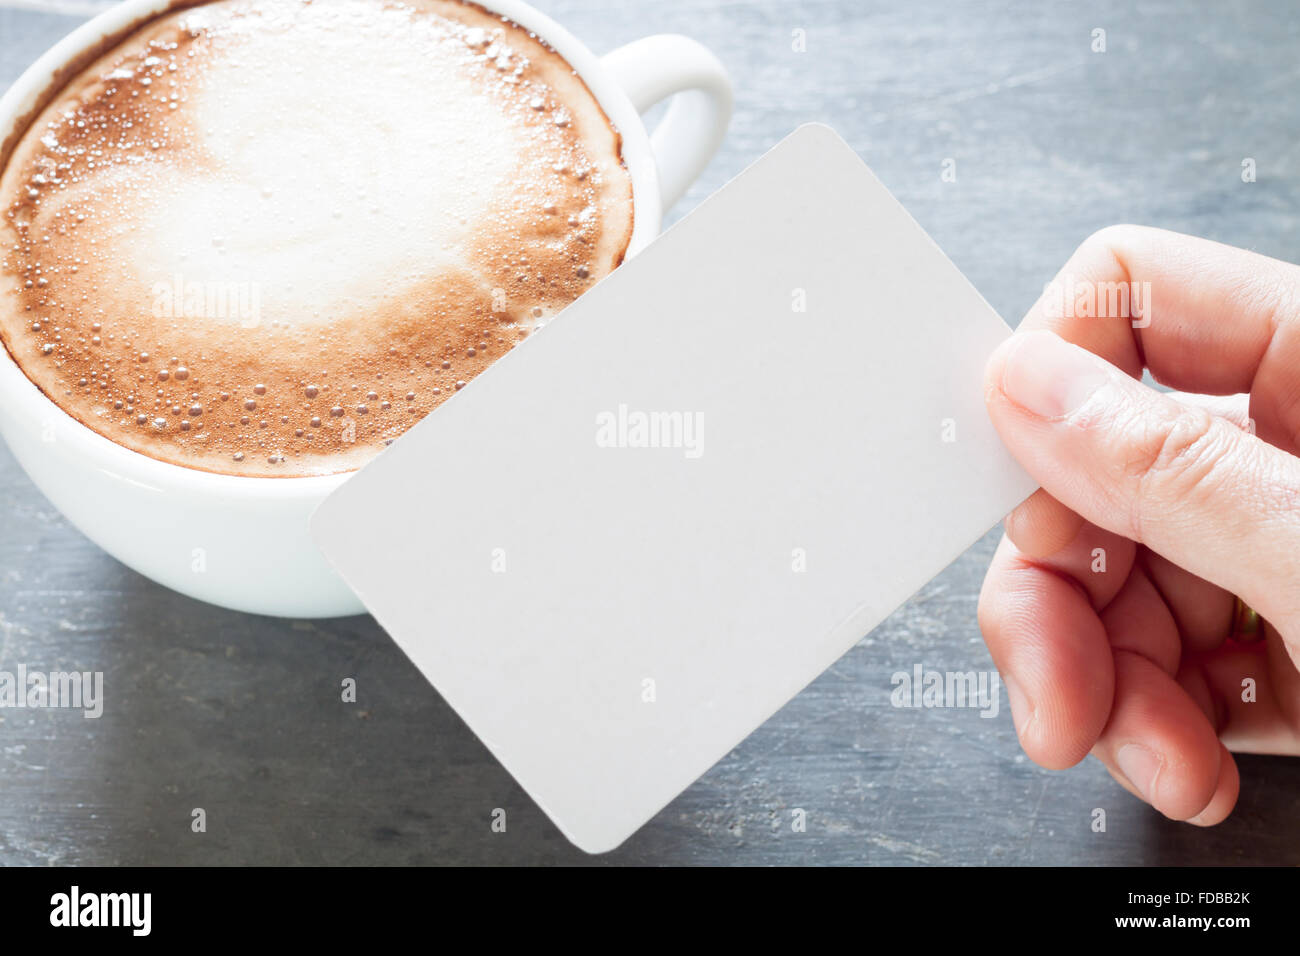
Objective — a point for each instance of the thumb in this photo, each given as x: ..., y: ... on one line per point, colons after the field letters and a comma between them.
x: 1193, y: 487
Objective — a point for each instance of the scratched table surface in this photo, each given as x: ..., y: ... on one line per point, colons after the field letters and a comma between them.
x: 1049, y: 139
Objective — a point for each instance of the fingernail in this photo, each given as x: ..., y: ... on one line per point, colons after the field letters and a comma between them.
x: 1021, y: 710
x: 1048, y: 376
x: 1141, y: 766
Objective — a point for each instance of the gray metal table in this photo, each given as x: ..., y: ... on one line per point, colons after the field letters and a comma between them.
x: 241, y: 715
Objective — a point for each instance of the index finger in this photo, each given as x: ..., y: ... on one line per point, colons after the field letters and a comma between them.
x: 1201, y: 316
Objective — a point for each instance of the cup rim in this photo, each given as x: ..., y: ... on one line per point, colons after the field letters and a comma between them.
x: 20, y: 104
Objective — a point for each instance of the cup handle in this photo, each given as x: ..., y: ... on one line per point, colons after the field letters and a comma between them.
x: 656, y: 67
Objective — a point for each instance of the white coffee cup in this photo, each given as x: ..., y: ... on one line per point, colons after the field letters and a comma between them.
x: 244, y: 543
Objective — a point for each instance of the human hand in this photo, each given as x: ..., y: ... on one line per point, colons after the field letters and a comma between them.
x: 1109, y: 606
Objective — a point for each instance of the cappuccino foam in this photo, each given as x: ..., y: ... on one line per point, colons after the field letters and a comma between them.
x: 265, y: 237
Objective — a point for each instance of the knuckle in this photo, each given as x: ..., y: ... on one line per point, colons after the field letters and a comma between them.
x: 1174, y: 462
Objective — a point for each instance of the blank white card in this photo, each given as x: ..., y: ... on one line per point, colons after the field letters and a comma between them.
x: 628, y: 543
